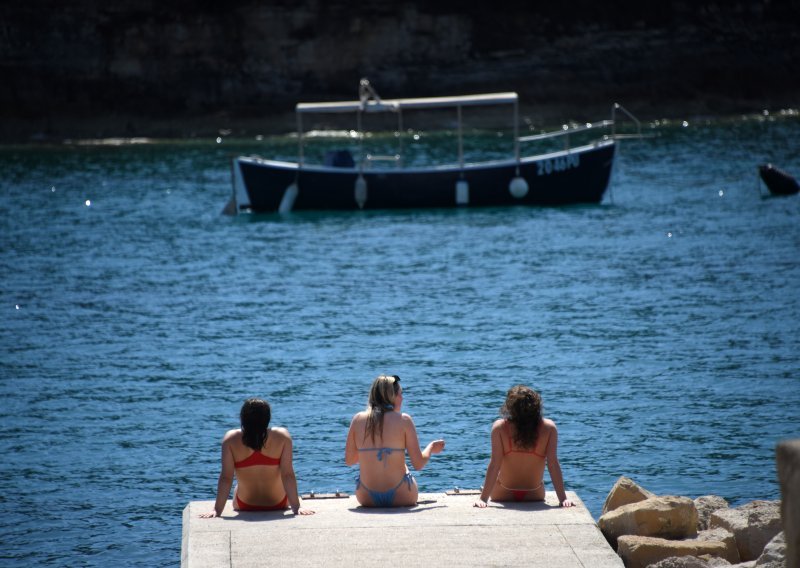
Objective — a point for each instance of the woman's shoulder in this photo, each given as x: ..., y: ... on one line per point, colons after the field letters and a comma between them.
x: 232, y: 435
x: 359, y: 418
x: 406, y: 418
x: 280, y: 432
x: 548, y: 424
x: 499, y: 423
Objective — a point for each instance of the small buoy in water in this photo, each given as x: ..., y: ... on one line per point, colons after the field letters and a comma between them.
x: 778, y: 181
x: 361, y: 191
x: 518, y: 187
x: 462, y: 192
x: 287, y: 202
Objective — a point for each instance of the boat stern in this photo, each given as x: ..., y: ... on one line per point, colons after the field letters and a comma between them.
x: 240, y: 201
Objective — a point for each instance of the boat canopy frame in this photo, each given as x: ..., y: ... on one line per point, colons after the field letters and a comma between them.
x: 370, y: 102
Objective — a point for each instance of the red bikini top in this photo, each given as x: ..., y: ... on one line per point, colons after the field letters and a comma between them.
x: 511, y: 444
x: 257, y: 458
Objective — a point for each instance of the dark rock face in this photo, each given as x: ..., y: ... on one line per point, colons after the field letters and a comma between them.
x: 180, y: 59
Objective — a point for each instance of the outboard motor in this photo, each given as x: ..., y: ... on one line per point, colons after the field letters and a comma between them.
x: 778, y: 181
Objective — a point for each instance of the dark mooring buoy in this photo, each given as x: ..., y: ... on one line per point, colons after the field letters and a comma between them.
x: 778, y: 181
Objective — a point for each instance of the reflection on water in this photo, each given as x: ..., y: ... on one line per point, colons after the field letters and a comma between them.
x: 661, y: 328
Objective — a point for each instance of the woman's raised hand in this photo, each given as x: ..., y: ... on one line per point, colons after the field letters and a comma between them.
x: 437, y: 446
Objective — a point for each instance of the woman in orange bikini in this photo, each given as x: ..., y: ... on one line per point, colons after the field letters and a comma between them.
x: 378, y: 440
x: 522, y: 443
x: 261, y: 459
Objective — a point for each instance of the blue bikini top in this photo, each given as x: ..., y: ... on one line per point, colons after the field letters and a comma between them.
x: 382, y: 451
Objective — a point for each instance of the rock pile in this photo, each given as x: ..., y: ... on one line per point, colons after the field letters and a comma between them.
x: 649, y: 530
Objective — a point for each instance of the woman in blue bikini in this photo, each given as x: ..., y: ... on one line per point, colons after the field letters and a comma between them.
x: 523, y: 442
x: 378, y: 440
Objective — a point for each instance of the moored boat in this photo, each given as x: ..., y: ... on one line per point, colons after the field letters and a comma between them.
x: 569, y: 175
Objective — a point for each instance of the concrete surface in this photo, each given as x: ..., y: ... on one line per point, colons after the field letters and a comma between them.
x: 442, y: 530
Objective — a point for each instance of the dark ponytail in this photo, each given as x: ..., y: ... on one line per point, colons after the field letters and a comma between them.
x: 254, y: 417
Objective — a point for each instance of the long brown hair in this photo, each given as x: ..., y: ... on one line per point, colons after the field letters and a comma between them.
x: 381, y: 398
x: 523, y: 408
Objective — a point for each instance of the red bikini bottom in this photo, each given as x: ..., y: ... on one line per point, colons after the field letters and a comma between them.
x: 242, y: 506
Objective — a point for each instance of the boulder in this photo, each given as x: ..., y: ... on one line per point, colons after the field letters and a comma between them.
x: 706, y: 505
x: 753, y: 524
x: 641, y: 551
x: 788, y: 461
x: 681, y: 562
x: 724, y: 536
x: 625, y: 491
x: 666, y: 517
x: 717, y: 562
x: 774, y: 555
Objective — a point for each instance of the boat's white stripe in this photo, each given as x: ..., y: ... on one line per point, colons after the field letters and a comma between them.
x: 444, y: 168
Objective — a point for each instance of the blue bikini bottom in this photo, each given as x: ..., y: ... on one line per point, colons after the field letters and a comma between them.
x: 385, y: 498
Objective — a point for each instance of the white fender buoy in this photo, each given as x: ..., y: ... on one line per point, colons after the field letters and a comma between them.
x: 518, y: 187
x: 361, y: 191
x: 462, y: 192
x: 287, y: 202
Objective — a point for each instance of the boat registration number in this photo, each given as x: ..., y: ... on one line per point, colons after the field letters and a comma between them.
x: 547, y: 167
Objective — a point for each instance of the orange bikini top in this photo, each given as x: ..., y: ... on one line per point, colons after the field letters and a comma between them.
x: 257, y: 458
x: 511, y: 449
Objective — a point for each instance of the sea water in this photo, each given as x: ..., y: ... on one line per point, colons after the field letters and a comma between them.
x: 662, y: 328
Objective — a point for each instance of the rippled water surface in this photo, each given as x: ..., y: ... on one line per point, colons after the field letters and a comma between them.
x: 662, y: 328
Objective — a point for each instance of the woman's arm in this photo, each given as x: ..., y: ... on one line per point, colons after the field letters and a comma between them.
x: 225, y: 481
x: 555, y: 468
x: 350, y: 448
x: 418, y: 458
x: 287, y: 476
x: 493, y: 469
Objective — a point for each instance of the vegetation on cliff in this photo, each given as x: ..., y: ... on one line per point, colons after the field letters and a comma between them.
x: 130, y: 64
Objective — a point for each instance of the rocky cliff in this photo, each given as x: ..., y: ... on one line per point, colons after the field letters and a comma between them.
x: 149, y: 67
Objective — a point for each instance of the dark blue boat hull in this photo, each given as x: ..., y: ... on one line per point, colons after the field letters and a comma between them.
x: 563, y: 178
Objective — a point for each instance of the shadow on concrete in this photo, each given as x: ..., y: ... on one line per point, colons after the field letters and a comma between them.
x: 260, y: 516
x: 399, y: 510
x: 525, y: 505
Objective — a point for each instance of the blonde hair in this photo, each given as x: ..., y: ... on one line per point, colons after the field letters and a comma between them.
x: 382, y: 395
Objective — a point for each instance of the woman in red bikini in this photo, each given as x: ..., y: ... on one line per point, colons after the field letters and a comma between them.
x: 522, y: 443
x: 261, y: 459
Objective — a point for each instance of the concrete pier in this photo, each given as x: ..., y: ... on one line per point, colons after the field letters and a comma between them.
x: 444, y: 529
